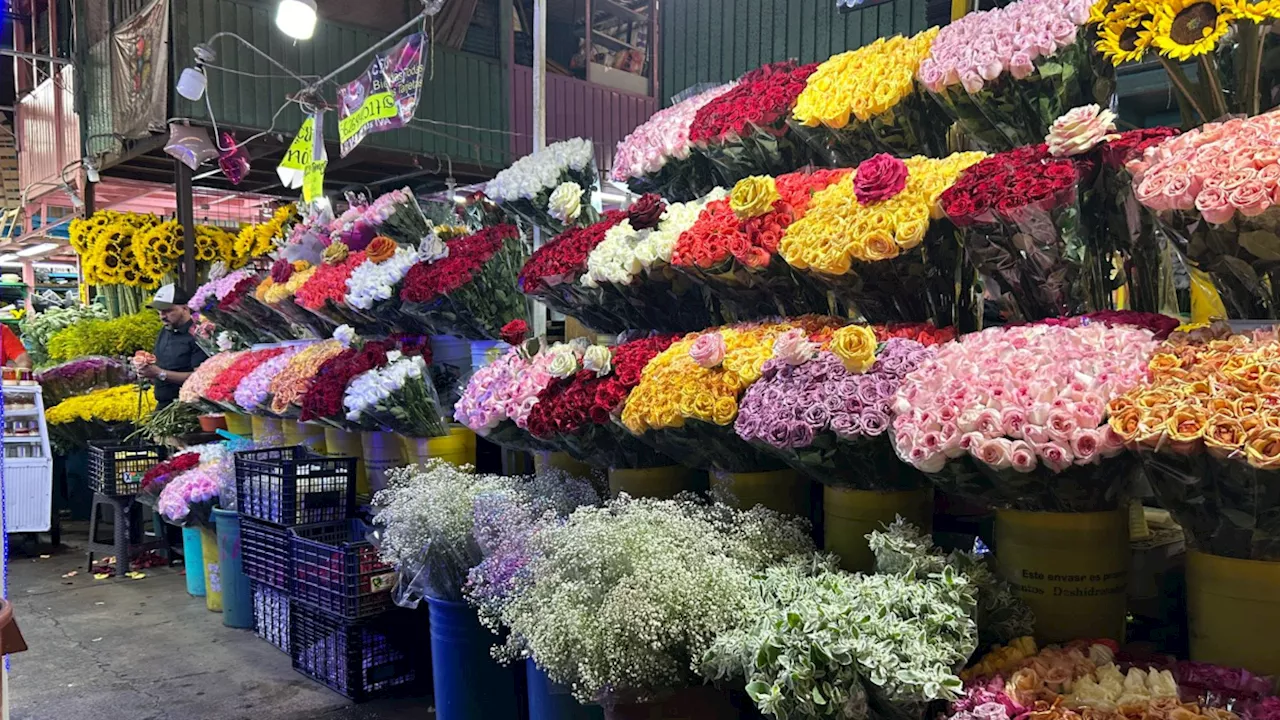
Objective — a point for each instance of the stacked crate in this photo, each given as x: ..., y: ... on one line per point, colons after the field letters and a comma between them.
x: 320, y: 592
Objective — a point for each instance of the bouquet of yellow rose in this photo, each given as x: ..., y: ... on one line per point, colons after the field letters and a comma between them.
x: 873, y: 239
x: 687, y: 399
x: 1207, y: 426
x: 865, y: 101
x: 732, y: 247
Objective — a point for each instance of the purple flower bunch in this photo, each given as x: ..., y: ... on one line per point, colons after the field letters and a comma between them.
x: 82, y: 375
x: 986, y: 700
x: 827, y: 420
x: 254, y: 388
x: 189, y: 498
x: 215, y: 290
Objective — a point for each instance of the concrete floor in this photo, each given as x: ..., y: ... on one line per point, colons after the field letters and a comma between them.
x: 122, y: 649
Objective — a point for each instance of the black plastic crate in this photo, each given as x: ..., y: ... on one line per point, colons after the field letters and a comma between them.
x: 271, y: 615
x: 359, y: 660
x: 264, y: 548
x: 294, y: 486
x: 336, y: 570
x: 118, y: 469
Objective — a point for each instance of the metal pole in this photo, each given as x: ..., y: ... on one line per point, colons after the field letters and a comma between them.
x: 539, y: 126
x: 186, y: 218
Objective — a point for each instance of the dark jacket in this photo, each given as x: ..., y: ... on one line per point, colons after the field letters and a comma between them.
x: 176, y: 351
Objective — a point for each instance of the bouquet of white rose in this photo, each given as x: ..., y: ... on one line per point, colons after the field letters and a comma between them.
x: 398, y: 397
x: 550, y: 188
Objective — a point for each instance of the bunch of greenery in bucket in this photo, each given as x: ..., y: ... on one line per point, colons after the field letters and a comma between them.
x: 687, y: 399
x: 1205, y: 426
x: 500, y: 396
x: 621, y: 602
x: 579, y: 411
x: 1016, y: 417
x: 823, y: 403
x: 188, y: 499
x: 434, y: 524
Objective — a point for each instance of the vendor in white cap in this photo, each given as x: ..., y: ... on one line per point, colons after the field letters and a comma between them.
x: 177, y: 353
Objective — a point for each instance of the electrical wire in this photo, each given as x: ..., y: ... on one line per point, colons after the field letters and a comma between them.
x: 227, y: 33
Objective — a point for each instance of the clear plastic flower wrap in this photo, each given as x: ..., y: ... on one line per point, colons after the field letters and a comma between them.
x: 398, y: 398
x: 550, y: 188
x: 553, y: 271
x: 656, y: 157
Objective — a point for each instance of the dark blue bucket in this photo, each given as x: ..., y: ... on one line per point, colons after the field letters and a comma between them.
x: 550, y: 701
x: 193, y: 561
x: 469, y: 683
x: 237, y: 596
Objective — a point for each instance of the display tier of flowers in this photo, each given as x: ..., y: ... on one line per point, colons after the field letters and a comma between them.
x: 550, y: 188
x: 872, y: 239
x: 554, y: 272
x: 657, y: 156
x: 734, y: 246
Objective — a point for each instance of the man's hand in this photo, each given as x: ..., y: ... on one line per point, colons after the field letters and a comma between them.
x: 150, y: 372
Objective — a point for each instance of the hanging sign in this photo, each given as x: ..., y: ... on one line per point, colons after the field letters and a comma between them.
x: 317, y: 162
x: 385, y: 96
x: 290, y: 170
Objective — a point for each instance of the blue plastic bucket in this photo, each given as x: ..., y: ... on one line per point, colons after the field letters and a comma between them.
x: 550, y: 701
x: 237, y: 596
x: 193, y: 561
x: 449, y: 350
x: 469, y: 683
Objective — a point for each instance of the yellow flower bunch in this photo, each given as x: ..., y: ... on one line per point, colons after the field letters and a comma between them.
x: 863, y: 83
x: 274, y: 293
x: 838, y: 230
x: 258, y: 240
x: 214, y: 244
x: 675, y: 386
x: 119, y: 337
x: 1002, y: 659
x: 108, y: 256
x: 1177, y: 29
x: 158, y: 249
x: 117, y: 404
x: 451, y: 232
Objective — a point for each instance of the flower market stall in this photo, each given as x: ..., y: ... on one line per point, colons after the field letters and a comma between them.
x: 888, y: 356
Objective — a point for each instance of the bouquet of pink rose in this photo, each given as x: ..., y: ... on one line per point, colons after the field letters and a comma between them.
x: 1212, y: 190
x: 188, y: 499
x: 657, y: 158
x: 1017, y: 416
x: 499, y: 397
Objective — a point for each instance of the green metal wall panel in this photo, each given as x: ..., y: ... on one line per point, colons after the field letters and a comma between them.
x: 459, y: 88
x: 718, y: 40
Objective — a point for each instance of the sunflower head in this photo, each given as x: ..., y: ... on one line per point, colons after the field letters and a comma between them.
x: 1126, y: 35
x: 1184, y: 29
x: 1257, y: 11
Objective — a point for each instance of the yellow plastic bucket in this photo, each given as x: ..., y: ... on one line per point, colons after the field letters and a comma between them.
x: 659, y: 482
x: 267, y: 431
x: 1072, y: 569
x: 458, y: 447
x: 1233, y: 608
x: 212, y: 572
x: 850, y: 515
x: 347, y: 444
x: 785, y: 491
x: 560, y: 461
x: 382, y: 451
x: 238, y: 424
x: 305, y: 434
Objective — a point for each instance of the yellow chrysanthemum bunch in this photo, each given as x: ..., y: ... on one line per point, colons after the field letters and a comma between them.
x: 838, y: 229
x: 258, y: 240
x: 863, y: 83
x: 684, y: 383
x: 117, y: 404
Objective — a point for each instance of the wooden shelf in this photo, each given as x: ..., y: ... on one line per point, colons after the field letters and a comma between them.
x: 619, y: 10
x: 611, y: 41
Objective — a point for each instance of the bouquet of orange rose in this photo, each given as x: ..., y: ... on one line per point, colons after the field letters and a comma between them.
x: 874, y: 239
x: 1207, y: 426
x: 732, y: 247
x: 687, y: 399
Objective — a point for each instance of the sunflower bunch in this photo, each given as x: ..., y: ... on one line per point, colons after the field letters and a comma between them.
x: 258, y: 240
x: 214, y: 244
x: 158, y: 249
x: 1182, y: 30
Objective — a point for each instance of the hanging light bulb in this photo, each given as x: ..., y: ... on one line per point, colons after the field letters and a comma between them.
x: 297, y: 18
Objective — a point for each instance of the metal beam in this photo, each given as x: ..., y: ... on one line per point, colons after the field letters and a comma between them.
x: 186, y: 218
x: 36, y: 56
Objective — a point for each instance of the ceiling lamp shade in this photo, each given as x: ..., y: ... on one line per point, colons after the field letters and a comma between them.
x: 297, y: 18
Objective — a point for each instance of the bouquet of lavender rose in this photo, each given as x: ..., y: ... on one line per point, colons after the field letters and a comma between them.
x: 81, y: 376
x: 825, y: 408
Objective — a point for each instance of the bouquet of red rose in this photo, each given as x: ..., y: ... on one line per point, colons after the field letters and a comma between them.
x: 732, y: 248
x: 632, y: 267
x: 1026, y: 220
x: 322, y: 401
x: 744, y: 132
x: 581, y: 413
x: 553, y: 271
x: 155, y: 479
x: 471, y: 292
x: 324, y: 293
x: 221, y: 391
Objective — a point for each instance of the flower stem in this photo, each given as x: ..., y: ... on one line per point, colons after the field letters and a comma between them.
x: 1209, y: 69
x: 1179, y: 80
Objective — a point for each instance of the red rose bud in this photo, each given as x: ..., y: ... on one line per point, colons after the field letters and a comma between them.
x: 647, y: 211
x: 879, y: 179
x: 281, y: 271
x: 514, y: 332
